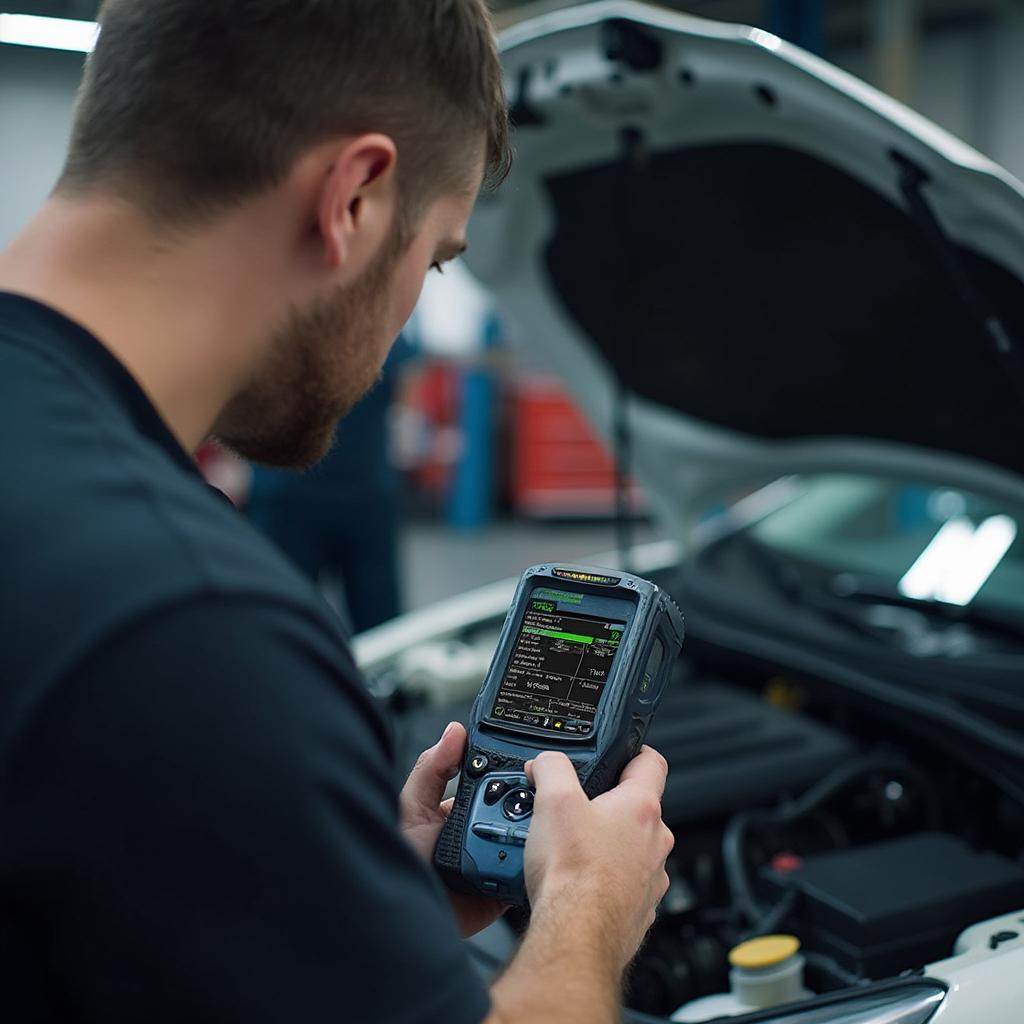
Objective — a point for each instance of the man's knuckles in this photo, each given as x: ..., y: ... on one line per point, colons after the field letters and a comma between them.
x: 668, y: 839
x: 424, y: 763
x: 647, y: 810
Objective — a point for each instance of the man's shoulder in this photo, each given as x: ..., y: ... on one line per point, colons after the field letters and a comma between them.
x: 103, y: 529
x: 189, y: 585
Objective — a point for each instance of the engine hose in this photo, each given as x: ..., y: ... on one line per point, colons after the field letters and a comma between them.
x: 734, y: 838
x: 770, y: 922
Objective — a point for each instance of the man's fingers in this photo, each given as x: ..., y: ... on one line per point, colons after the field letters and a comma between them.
x: 434, y: 769
x: 450, y: 749
x: 648, y: 769
x: 552, y: 775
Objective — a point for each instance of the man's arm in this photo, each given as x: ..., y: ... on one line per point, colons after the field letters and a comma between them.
x: 595, y: 872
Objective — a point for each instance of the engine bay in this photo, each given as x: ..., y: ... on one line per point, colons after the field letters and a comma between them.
x: 872, y: 841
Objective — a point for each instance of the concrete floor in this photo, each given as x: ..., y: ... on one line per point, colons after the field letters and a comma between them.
x: 439, y: 562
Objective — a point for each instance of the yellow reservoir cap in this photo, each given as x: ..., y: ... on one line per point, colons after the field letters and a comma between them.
x: 766, y: 951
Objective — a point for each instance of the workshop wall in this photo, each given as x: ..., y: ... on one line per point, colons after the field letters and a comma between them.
x: 37, y: 92
x: 969, y: 81
x: 1007, y: 87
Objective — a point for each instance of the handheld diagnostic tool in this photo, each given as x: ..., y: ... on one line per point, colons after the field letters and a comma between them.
x: 581, y: 663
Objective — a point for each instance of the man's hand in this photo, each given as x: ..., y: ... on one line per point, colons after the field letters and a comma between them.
x: 607, y: 853
x: 424, y: 813
x: 595, y: 872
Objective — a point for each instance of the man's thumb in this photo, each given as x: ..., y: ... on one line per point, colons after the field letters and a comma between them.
x: 435, y: 768
x: 552, y: 775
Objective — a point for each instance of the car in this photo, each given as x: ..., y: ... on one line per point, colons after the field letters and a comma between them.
x: 795, y: 309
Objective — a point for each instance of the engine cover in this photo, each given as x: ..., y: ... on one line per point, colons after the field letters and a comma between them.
x: 728, y: 750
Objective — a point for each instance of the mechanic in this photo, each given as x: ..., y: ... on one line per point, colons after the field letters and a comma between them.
x: 198, y: 818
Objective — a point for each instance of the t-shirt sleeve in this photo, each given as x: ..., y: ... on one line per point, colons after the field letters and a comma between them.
x: 206, y: 813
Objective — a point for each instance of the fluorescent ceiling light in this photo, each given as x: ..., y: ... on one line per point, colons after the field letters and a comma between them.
x: 959, y: 560
x: 49, y: 33
x: 925, y: 576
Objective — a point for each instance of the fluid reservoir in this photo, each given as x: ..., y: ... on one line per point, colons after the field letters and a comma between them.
x: 766, y: 972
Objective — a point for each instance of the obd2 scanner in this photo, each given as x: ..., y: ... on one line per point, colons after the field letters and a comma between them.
x: 581, y: 664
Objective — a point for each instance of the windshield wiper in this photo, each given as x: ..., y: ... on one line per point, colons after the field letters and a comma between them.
x: 878, y: 593
x: 875, y: 608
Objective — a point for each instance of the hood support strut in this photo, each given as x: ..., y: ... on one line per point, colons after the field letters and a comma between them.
x: 632, y: 161
x: 912, y: 179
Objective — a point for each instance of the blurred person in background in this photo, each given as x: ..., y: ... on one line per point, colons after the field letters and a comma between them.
x: 339, y: 521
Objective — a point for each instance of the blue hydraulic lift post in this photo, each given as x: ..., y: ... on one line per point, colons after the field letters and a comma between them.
x: 470, y: 504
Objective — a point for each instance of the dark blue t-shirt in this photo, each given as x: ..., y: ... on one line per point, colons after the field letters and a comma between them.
x: 198, y: 810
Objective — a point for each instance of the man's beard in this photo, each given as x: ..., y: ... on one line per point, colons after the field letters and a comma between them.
x: 323, y: 361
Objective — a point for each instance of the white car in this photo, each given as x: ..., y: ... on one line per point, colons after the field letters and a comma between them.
x: 796, y: 310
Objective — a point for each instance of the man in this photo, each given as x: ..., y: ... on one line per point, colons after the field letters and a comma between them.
x: 197, y: 816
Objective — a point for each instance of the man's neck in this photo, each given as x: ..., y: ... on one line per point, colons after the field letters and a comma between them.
x: 179, y: 316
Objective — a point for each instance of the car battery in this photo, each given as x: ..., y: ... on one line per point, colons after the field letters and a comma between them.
x: 894, y: 905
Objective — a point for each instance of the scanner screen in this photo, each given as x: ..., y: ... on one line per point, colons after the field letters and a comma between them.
x: 558, y: 670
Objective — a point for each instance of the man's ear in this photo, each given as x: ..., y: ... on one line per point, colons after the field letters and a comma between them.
x: 357, y: 202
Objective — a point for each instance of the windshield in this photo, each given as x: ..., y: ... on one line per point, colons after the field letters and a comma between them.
x: 922, y: 542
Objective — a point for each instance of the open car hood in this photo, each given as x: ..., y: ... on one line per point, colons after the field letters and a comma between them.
x: 789, y: 271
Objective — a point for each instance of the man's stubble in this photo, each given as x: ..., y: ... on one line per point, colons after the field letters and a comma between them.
x: 323, y: 360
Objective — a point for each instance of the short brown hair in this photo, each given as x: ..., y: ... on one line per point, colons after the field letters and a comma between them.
x: 189, y: 106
